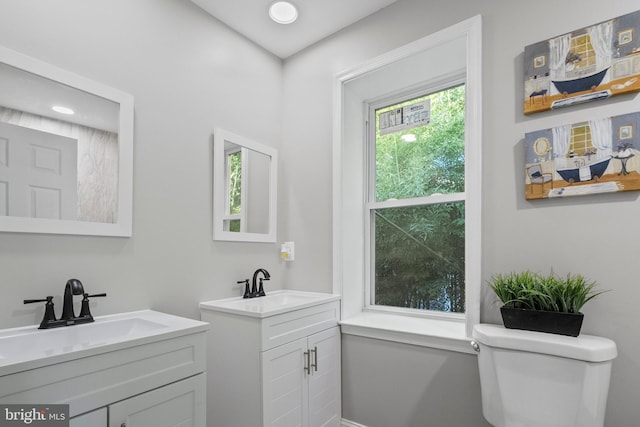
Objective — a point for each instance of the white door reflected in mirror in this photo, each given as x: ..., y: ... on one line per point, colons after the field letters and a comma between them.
x: 66, y: 151
x: 39, y: 174
x: 245, y: 182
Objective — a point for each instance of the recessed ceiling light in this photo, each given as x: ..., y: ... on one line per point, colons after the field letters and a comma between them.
x: 63, y: 110
x: 283, y: 12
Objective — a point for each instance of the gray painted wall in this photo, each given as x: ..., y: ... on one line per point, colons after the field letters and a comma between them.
x: 388, y: 384
x: 189, y: 73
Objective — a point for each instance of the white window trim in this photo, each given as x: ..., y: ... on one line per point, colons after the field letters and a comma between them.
x: 447, y: 332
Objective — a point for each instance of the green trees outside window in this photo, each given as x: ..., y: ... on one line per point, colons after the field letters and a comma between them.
x: 418, y: 248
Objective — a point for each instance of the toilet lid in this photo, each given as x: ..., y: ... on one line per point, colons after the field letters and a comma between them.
x: 583, y: 347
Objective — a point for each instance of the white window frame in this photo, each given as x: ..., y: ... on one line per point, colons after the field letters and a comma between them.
x: 354, y: 89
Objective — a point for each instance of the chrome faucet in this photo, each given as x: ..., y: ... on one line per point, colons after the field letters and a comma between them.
x: 258, y: 291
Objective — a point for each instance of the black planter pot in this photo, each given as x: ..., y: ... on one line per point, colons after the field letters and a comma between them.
x: 542, y: 321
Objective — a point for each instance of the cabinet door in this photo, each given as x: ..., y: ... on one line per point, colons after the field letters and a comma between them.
x: 324, y: 381
x: 97, y: 418
x: 179, y: 404
x: 284, y: 387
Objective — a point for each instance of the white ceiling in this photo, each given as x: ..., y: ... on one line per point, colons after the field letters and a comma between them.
x: 317, y: 19
x: 24, y: 91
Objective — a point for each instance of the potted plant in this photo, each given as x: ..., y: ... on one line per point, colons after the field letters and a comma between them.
x: 543, y: 303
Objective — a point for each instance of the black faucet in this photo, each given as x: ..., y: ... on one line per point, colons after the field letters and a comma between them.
x: 247, y: 292
x: 255, y: 290
x: 73, y: 287
x: 68, y: 318
x: 49, y: 313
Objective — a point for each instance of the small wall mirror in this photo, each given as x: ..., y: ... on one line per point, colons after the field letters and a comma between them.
x: 66, y: 151
x: 244, y: 189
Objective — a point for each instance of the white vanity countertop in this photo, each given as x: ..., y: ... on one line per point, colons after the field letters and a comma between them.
x: 275, y: 302
x: 28, y: 347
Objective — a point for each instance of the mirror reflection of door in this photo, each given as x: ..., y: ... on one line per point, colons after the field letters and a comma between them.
x: 38, y: 174
x: 26, y: 101
x: 41, y: 97
x: 247, y: 174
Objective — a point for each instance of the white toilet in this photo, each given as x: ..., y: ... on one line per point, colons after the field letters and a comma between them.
x: 533, y: 379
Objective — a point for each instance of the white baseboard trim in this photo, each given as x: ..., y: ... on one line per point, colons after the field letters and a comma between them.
x: 347, y: 423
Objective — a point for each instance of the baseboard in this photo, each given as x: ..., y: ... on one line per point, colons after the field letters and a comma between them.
x: 347, y: 423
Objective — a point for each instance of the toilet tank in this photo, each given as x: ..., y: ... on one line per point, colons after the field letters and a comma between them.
x: 534, y: 379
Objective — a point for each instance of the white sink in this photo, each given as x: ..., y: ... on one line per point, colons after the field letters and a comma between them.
x: 275, y: 302
x: 28, y: 347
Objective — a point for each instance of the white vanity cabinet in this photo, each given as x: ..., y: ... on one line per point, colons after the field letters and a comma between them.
x: 270, y: 368
x: 142, y: 370
x: 301, y: 380
x: 97, y: 418
x: 178, y: 404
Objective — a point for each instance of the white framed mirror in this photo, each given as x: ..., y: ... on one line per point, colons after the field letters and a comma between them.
x: 245, y: 176
x: 66, y: 151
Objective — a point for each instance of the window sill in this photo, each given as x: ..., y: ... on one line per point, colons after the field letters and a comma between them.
x: 433, y: 333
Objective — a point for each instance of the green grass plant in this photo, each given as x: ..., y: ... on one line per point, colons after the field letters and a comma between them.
x: 550, y: 292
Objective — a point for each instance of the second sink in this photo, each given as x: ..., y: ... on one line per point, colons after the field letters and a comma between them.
x: 275, y: 302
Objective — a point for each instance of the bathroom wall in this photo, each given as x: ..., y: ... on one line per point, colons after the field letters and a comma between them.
x: 188, y: 73
x: 387, y: 384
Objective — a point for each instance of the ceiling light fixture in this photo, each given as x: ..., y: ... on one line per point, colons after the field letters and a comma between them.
x: 283, y: 12
x: 63, y: 110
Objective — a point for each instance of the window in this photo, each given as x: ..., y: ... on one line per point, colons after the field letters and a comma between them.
x: 416, y: 202
x: 580, y: 144
x: 233, y: 201
x: 581, y: 56
x: 407, y: 194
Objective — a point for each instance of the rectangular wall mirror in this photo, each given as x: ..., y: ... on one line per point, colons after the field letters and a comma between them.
x: 66, y: 151
x: 244, y: 189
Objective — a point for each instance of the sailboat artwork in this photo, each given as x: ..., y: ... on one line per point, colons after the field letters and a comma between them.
x: 592, y: 63
x: 591, y: 157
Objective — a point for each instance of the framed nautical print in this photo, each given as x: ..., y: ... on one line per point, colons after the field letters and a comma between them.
x: 588, y: 64
x: 590, y: 157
